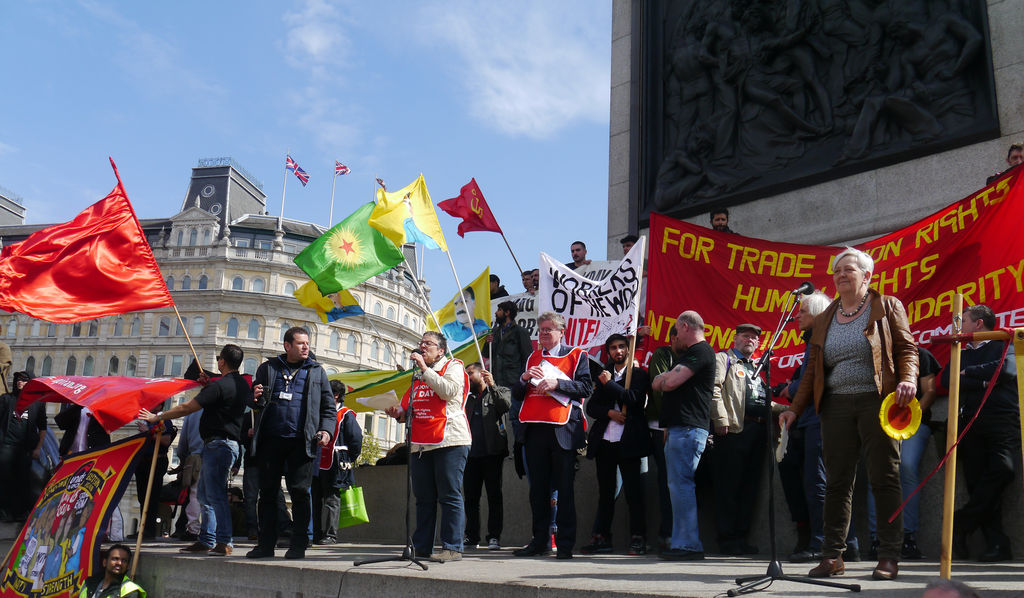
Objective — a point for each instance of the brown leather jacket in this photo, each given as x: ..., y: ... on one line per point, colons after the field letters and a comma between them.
x: 892, y: 346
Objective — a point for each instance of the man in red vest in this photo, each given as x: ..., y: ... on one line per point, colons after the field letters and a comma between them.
x: 551, y: 391
x: 440, y: 441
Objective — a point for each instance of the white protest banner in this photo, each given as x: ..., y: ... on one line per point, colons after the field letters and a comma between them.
x: 593, y: 309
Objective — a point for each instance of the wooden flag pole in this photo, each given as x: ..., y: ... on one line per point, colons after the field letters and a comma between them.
x: 636, y: 312
x: 513, y: 253
x: 188, y: 339
x: 952, y: 428
x: 423, y: 296
x: 462, y: 295
x: 145, y: 502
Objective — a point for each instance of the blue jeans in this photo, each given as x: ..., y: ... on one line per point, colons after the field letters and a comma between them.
x: 911, y: 451
x: 218, y: 457
x: 682, y: 454
x: 437, y: 478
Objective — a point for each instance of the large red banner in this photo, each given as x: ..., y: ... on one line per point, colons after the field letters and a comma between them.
x: 972, y: 247
x: 57, y: 549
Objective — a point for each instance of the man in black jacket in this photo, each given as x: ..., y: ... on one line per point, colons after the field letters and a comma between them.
x: 21, y: 440
x: 486, y: 407
x: 510, y: 345
x: 298, y: 415
x: 987, y: 451
x: 619, y: 440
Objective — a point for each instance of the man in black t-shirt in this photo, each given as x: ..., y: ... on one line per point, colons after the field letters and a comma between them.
x: 223, y: 404
x: 685, y: 414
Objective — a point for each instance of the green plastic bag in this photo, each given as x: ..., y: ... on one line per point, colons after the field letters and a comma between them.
x: 353, y: 509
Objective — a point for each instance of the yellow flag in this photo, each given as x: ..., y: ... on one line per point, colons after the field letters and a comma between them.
x: 330, y: 308
x: 459, y: 324
x: 408, y: 216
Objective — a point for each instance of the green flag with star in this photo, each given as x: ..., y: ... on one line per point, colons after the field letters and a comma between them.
x: 351, y: 252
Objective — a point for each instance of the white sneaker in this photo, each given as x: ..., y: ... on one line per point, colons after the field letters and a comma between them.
x: 493, y: 544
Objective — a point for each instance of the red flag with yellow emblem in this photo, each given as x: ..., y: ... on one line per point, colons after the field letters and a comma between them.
x: 472, y: 208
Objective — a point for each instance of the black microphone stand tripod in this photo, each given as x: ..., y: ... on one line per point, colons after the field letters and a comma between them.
x: 409, y: 552
x: 774, y: 572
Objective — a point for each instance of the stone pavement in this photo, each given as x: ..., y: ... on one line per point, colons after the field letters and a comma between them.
x: 328, y: 571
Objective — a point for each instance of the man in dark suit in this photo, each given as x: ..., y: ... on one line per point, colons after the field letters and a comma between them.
x: 552, y: 390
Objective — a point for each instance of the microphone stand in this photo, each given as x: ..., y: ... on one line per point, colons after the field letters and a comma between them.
x: 409, y: 552
x: 750, y: 584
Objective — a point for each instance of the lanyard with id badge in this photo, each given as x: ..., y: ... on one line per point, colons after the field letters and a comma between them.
x: 287, y: 375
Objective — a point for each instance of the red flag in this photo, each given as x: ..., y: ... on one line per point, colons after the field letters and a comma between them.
x: 98, y: 264
x: 472, y: 208
x: 113, y: 400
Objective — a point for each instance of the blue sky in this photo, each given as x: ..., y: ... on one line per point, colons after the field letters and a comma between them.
x: 512, y: 93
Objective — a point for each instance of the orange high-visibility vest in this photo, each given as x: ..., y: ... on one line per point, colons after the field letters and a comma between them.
x: 540, y: 407
x: 430, y: 412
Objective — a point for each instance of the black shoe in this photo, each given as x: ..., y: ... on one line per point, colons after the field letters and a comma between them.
x: 531, y: 550
x: 873, y: 551
x: 260, y: 553
x: 637, y: 545
x: 563, y: 555
x: 598, y: 545
x: 996, y: 554
x: 810, y: 555
x: 296, y: 552
x: 910, y: 550
x: 326, y: 541
x: 681, y: 554
x: 852, y: 554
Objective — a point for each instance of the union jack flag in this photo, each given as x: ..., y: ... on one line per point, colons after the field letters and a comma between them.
x: 299, y: 173
x: 340, y: 168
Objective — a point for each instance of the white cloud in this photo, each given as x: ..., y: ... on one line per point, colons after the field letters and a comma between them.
x: 528, y: 68
x: 315, y: 38
x: 6, y: 150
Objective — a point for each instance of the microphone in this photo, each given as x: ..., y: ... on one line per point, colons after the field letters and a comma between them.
x: 805, y: 289
x: 418, y: 350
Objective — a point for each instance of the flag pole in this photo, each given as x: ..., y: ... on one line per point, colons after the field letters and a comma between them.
x: 330, y: 217
x: 187, y: 338
x: 512, y: 252
x: 462, y: 295
x: 952, y: 429
x: 145, y: 502
x: 366, y: 319
x: 636, y: 311
x: 284, y: 187
x: 423, y: 296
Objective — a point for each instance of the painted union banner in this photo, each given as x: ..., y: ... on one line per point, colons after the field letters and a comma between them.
x: 57, y: 549
x: 971, y: 247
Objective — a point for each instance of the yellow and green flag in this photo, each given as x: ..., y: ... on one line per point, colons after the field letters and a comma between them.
x: 330, y: 308
x: 348, y: 254
x: 408, y: 216
x: 461, y: 322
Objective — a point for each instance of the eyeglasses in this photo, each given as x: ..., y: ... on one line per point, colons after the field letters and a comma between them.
x: 428, y: 344
x: 549, y: 330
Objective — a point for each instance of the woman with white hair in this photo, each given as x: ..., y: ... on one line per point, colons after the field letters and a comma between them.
x: 861, y: 350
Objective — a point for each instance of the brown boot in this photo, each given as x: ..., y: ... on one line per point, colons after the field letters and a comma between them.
x: 221, y: 549
x: 886, y: 569
x: 828, y: 567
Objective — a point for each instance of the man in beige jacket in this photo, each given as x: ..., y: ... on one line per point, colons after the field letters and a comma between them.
x: 739, y: 410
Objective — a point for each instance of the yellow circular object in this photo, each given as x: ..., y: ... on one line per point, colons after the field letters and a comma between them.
x: 900, y: 422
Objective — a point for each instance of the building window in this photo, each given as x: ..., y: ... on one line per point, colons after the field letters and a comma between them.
x: 332, y: 371
x: 264, y: 245
x: 375, y: 350
x: 284, y: 328
x: 177, y: 361
x: 87, y: 367
x: 30, y: 364
x: 165, y: 326
x: 350, y: 344
x: 382, y: 427
x: 203, y: 281
x: 335, y: 340
x: 170, y: 283
x: 391, y: 313
x: 258, y: 286
x: 289, y: 288
x: 193, y: 236
x: 12, y: 328
x: 242, y: 243
x: 158, y: 365
x: 198, y: 325
x: 130, y: 366
x: 178, y: 330
x: 181, y: 237
x: 237, y: 284
x: 76, y: 329
x: 368, y: 423
x: 119, y: 327
x: 249, y: 366
x: 136, y: 329
x: 206, y: 237
x: 113, y: 366
x: 405, y: 320
x: 254, y: 328
x: 47, y: 366
x: 232, y: 330
x: 34, y: 331
x: 51, y: 330
x: 378, y: 309
x: 94, y: 328
x: 72, y: 365
x: 186, y: 283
